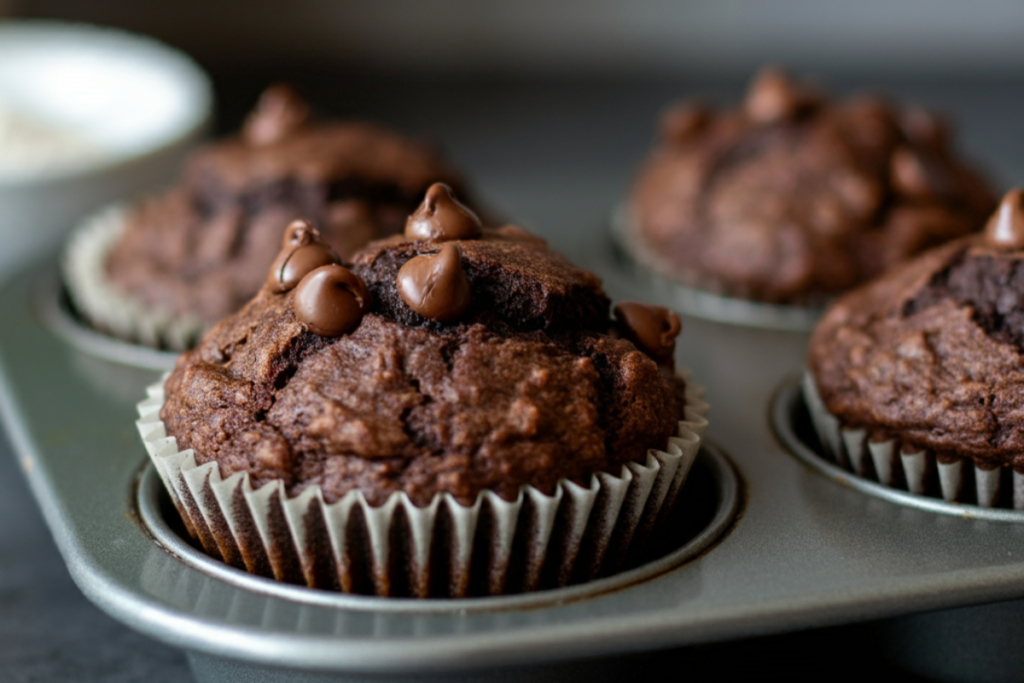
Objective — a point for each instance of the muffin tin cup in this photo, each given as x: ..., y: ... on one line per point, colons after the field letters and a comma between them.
x: 491, y: 547
x: 622, y: 254
x: 891, y: 464
x: 102, y: 304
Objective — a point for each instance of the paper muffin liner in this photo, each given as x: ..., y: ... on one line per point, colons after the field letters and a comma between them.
x: 892, y: 464
x: 106, y: 307
x: 491, y: 547
x: 693, y: 298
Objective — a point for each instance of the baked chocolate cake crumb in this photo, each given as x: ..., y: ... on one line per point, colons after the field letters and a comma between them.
x: 203, y: 248
x: 792, y: 198
x: 525, y: 386
x: 931, y: 353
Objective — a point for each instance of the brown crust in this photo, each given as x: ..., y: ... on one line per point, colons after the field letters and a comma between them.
x: 203, y: 248
x: 930, y: 354
x: 527, y: 388
x: 795, y: 209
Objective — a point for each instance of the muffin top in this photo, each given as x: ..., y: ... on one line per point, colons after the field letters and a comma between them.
x: 453, y: 358
x: 203, y: 247
x: 792, y: 197
x: 931, y: 352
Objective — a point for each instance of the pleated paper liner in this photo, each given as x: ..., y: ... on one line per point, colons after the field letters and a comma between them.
x: 672, y: 288
x: 492, y: 547
x: 103, y: 305
x: 920, y: 472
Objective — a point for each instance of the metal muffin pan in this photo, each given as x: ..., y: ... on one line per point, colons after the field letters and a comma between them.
x: 804, y: 552
x: 54, y: 307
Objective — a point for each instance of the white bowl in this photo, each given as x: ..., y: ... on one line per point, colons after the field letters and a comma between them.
x: 112, y: 115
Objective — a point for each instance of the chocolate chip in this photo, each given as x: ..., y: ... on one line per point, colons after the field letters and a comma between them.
x: 916, y: 175
x: 1006, y: 226
x: 925, y: 128
x: 442, y: 217
x: 435, y: 285
x: 682, y: 122
x: 279, y: 113
x: 303, y: 251
x: 774, y: 97
x: 299, y: 232
x: 652, y: 328
x: 331, y: 301
x: 300, y: 262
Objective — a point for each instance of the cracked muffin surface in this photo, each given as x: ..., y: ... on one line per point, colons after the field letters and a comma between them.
x: 792, y: 198
x: 931, y: 353
x: 202, y: 247
x: 532, y: 383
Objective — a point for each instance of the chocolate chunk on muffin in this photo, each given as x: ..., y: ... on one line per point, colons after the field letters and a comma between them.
x: 457, y: 391
x: 928, y: 357
x: 202, y: 248
x: 507, y: 377
x: 792, y: 198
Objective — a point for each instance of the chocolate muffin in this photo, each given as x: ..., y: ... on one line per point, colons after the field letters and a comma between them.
x: 453, y: 363
x: 201, y: 249
x: 926, y: 363
x: 792, y: 198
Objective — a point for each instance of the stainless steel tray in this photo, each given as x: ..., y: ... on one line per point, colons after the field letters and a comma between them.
x: 805, y: 551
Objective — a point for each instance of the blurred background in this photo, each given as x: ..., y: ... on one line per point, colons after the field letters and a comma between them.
x: 569, y: 90
x: 693, y: 37
x: 548, y: 105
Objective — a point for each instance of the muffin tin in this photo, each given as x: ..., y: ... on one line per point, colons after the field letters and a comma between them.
x: 792, y: 422
x: 803, y: 552
x: 55, y: 309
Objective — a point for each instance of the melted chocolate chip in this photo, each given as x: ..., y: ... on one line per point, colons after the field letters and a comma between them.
x: 303, y: 252
x: 279, y: 113
x: 682, y: 122
x: 925, y: 128
x: 299, y: 232
x: 442, y: 217
x: 915, y: 175
x: 435, y: 285
x: 1005, y: 228
x: 773, y: 97
x: 652, y: 328
x: 331, y: 301
x: 300, y: 262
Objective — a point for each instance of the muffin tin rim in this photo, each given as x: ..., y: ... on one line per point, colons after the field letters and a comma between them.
x: 149, y: 488
x: 51, y: 303
x: 788, y: 398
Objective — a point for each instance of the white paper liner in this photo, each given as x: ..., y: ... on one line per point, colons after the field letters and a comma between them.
x: 921, y: 472
x: 443, y: 549
x: 106, y: 307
